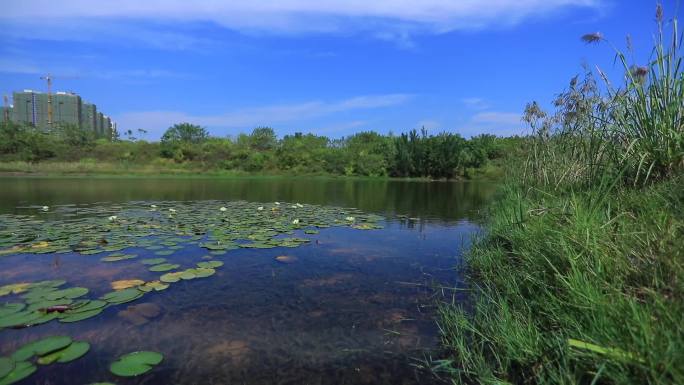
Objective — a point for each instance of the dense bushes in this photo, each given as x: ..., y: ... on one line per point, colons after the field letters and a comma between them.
x: 189, y: 146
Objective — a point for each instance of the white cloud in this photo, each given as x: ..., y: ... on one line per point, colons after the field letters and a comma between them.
x: 493, y: 117
x: 475, y: 103
x: 395, y: 19
x: 493, y: 122
x: 156, y: 122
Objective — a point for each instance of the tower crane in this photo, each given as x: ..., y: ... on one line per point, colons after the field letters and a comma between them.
x: 49, y: 78
x: 6, y: 116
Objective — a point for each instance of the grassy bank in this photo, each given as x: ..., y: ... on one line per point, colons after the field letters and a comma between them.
x: 490, y: 171
x: 581, y: 276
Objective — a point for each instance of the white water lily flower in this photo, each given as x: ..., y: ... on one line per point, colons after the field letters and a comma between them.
x: 223, y: 209
x: 294, y: 206
x: 112, y: 218
x: 45, y: 208
x: 153, y: 206
x: 300, y: 205
x: 260, y: 208
x: 277, y: 203
x: 350, y: 219
x: 295, y: 222
x: 172, y: 210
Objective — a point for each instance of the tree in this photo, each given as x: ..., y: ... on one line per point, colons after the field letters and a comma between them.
x: 186, y: 133
x: 263, y: 139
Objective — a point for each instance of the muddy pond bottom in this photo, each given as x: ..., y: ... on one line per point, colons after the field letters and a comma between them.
x: 347, y: 307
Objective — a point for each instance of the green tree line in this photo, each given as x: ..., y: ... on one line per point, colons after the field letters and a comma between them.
x: 412, y: 154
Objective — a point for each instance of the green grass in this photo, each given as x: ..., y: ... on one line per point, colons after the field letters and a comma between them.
x: 580, y: 279
x: 488, y: 172
x: 555, y: 268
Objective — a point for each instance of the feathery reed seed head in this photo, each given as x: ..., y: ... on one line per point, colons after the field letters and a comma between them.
x: 590, y: 38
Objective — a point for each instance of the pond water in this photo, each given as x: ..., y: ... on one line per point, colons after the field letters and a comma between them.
x: 356, y: 305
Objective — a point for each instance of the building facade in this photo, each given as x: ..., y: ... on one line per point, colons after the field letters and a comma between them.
x: 31, y: 107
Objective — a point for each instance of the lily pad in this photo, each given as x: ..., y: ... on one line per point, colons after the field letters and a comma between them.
x: 118, y: 257
x: 80, y: 316
x: 203, y: 272
x: 135, y: 364
x: 164, y: 267
x: 171, y: 277
x: 210, y: 264
x: 153, y: 285
x: 19, y: 319
x: 41, y: 347
x: 72, y: 292
x: 90, y: 306
x: 72, y: 352
x: 11, y: 308
x: 122, y: 296
x: 21, y: 371
x: 6, y: 366
x: 126, y: 283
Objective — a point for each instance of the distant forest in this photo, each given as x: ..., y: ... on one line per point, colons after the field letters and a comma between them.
x: 188, y: 146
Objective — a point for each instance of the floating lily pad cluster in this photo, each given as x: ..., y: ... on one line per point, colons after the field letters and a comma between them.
x: 165, y: 227
x: 45, y: 301
x: 50, y: 350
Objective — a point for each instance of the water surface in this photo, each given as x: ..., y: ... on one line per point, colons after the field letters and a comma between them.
x: 356, y: 308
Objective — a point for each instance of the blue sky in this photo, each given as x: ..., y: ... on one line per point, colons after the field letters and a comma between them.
x: 331, y: 67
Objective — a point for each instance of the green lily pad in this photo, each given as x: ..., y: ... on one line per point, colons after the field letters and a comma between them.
x: 122, y: 296
x: 171, y: 277
x: 42, y: 305
x: 11, y: 308
x: 19, y: 319
x: 72, y: 352
x: 135, y: 364
x: 6, y: 366
x: 41, y: 347
x: 21, y: 371
x: 188, y: 274
x: 75, y: 317
x: 90, y: 306
x: 210, y: 264
x: 72, y: 292
x: 153, y: 261
x: 203, y: 272
x: 164, y: 267
x: 118, y: 257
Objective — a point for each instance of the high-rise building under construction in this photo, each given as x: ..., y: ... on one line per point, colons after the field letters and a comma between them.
x: 31, y: 107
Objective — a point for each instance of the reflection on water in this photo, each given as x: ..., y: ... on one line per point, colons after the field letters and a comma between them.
x: 436, y: 200
x: 357, y: 307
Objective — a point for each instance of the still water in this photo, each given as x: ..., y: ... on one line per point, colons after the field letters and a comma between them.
x: 357, y: 307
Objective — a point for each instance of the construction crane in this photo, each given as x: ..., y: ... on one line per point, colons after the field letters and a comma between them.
x: 49, y: 78
x: 6, y: 111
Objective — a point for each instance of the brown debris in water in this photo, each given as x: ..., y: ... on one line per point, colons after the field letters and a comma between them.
x: 140, y: 314
x: 328, y: 281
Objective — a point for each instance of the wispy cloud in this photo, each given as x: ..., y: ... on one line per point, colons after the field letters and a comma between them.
x: 493, y: 117
x: 393, y: 20
x: 475, y: 103
x: 493, y: 122
x: 155, y: 122
x: 29, y: 67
